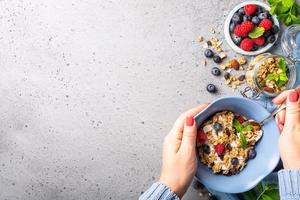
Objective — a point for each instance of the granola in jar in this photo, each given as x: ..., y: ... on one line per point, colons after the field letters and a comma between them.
x: 226, y: 141
x: 269, y: 75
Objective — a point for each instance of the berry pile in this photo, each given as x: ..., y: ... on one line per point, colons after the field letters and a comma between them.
x: 252, y: 27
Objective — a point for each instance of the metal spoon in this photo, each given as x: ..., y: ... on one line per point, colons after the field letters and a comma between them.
x: 277, y: 110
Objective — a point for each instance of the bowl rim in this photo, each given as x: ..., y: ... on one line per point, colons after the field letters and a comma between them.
x: 228, y: 36
x: 259, y: 177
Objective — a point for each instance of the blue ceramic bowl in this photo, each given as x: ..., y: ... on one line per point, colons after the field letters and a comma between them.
x: 267, y: 148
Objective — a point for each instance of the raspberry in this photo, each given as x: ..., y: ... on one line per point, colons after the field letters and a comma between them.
x: 240, y: 119
x: 259, y: 41
x: 247, y: 26
x: 239, y: 31
x: 246, y: 44
x: 250, y: 9
x: 202, y: 137
x: 220, y: 148
x: 266, y: 24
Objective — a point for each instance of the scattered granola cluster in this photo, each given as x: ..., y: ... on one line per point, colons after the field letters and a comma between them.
x: 226, y: 141
x: 213, y: 49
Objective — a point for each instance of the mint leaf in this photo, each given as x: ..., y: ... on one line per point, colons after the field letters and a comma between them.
x: 281, y: 64
x: 256, y: 32
x: 273, y: 1
x: 288, y: 20
x: 249, y: 195
x: 243, y: 140
x: 247, y: 128
x: 283, y: 76
x: 285, y: 10
x: 288, y: 3
x: 237, y: 125
x: 282, y: 9
x: 272, y: 77
x: 273, y: 9
x: 265, y: 197
x: 295, y: 19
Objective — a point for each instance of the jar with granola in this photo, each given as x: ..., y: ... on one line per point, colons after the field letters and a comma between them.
x: 269, y: 74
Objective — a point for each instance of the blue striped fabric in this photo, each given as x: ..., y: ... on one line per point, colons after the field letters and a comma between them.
x: 289, y: 184
x: 159, y: 191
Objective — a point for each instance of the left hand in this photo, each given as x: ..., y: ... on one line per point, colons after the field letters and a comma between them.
x: 179, y: 153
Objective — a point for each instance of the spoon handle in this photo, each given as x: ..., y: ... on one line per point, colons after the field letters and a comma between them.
x: 277, y: 110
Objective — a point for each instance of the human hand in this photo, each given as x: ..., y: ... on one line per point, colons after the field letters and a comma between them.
x: 288, y: 122
x: 179, y: 153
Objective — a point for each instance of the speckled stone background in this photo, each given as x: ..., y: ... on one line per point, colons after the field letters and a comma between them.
x: 89, y: 88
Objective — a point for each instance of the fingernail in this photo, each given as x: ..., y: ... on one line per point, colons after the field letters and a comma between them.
x: 293, y: 96
x: 189, y: 121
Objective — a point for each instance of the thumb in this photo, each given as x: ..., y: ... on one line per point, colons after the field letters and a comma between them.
x: 292, y: 109
x: 189, y: 135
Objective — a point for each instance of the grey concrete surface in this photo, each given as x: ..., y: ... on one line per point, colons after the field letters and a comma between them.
x: 89, y: 88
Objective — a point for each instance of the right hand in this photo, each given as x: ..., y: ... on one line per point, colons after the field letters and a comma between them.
x: 288, y: 122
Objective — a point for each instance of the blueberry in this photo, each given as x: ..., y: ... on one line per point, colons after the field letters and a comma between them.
x: 228, y: 146
x: 271, y: 39
x: 252, y: 154
x: 216, y: 71
x: 258, y: 10
x: 206, y: 149
x: 211, y: 88
x: 263, y: 15
x: 237, y: 40
x: 255, y: 47
x: 236, y: 18
x: 275, y: 29
x: 268, y: 33
x: 241, y: 11
x: 231, y: 27
x: 217, y: 126
x: 255, y: 20
x: 247, y: 18
x: 208, y: 53
x: 234, y: 161
x: 217, y: 59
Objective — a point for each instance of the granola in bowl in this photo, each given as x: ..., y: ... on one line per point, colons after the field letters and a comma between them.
x: 226, y: 141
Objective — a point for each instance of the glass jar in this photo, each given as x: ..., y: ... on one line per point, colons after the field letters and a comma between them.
x: 290, y: 43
